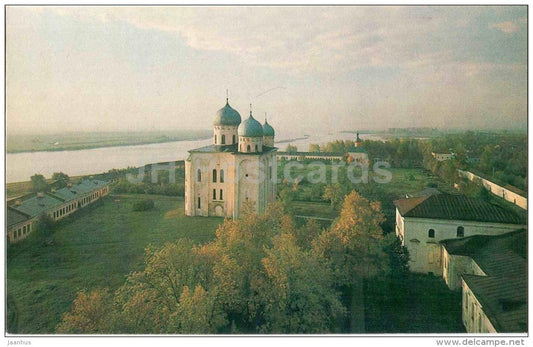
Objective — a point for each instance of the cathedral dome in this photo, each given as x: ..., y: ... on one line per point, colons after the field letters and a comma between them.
x: 267, y: 129
x: 227, y: 116
x: 250, y: 128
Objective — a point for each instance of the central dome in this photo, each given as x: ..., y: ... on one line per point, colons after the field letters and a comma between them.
x: 227, y: 116
x: 250, y: 128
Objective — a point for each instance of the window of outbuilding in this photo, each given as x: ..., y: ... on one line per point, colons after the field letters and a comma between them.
x: 223, y: 139
x: 460, y: 231
x: 431, y: 233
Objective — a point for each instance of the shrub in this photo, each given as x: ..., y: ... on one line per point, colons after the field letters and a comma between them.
x: 143, y: 205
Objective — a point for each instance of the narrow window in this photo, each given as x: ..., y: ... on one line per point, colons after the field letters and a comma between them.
x: 221, y: 195
x: 214, y: 194
x: 233, y: 139
x: 199, y: 205
x: 215, y: 139
x: 256, y: 148
x: 248, y: 148
x: 215, y: 175
x: 431, y: 233
x: 198, y: 176
x: 460, y: 231
x: 221, y: 176
x: 223, y: 139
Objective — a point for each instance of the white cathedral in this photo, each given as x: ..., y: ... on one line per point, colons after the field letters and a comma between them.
x: 239, y: 167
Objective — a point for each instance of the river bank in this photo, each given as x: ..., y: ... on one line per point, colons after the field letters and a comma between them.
x: 27, y: 143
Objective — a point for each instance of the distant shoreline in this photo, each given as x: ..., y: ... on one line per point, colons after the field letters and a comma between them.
x: 44, y: 143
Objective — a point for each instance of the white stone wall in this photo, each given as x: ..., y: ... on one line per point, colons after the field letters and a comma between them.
x: 454, y: 266
x: 22, y: 230
x: 474, y: 318
x: 248, y: 144
x: 496, y: 189
x: 247, y: 177
x: 229, y: 133
x: 203, y: 189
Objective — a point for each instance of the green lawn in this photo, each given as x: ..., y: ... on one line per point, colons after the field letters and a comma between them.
x: 410, y: 181
x: 96, y: 247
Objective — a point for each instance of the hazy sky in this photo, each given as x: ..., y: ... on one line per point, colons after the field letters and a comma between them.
x: 325, y: 68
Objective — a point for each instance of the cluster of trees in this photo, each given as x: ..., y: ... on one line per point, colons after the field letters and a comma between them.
x: 498, y: 156
x: 261, y: 274
x: 404, y: 153
x: 291, y: 148
x: 145, y: 184
x: 502, y: 156
x: 40, y: 184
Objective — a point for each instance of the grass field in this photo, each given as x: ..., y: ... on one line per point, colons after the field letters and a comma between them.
x: 96, y: 247
x: 17, y: 189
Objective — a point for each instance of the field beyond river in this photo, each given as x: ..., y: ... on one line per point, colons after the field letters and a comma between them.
x: 88, y: 140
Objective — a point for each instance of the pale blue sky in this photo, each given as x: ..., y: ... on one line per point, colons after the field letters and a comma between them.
x: 341, y: 68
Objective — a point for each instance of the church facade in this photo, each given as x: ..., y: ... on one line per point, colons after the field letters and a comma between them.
x: 238, y: 168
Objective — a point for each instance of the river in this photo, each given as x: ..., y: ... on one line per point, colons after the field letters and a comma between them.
x: 21, y: 166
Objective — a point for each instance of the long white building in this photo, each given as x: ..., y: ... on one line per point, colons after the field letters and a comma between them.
x: 423, y: 222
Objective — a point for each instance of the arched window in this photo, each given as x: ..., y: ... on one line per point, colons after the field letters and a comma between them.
x: 214, y: 194
x: 248, y: 148
x: 215, y: 139
x: 256, y: 148
x: 199, y: 205
x: 198, y: 175
x: 223, y: 139
x: 221, y: 195
x: 431, y: 233
x: 221, y: 176
x: 215, y: 175
x: 460, y: 231
x: 233, y: 139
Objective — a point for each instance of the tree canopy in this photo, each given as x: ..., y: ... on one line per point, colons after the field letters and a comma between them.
x: 261, y: 274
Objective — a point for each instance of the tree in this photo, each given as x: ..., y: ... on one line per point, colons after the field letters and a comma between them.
x: 334, y: 193
x: 291, y: 148
x: 61, y: 179
x: 314, y: 147
x: 355, y: 242
x: 39, y: 184
x: 297, y: 292
x: 91, y: 314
